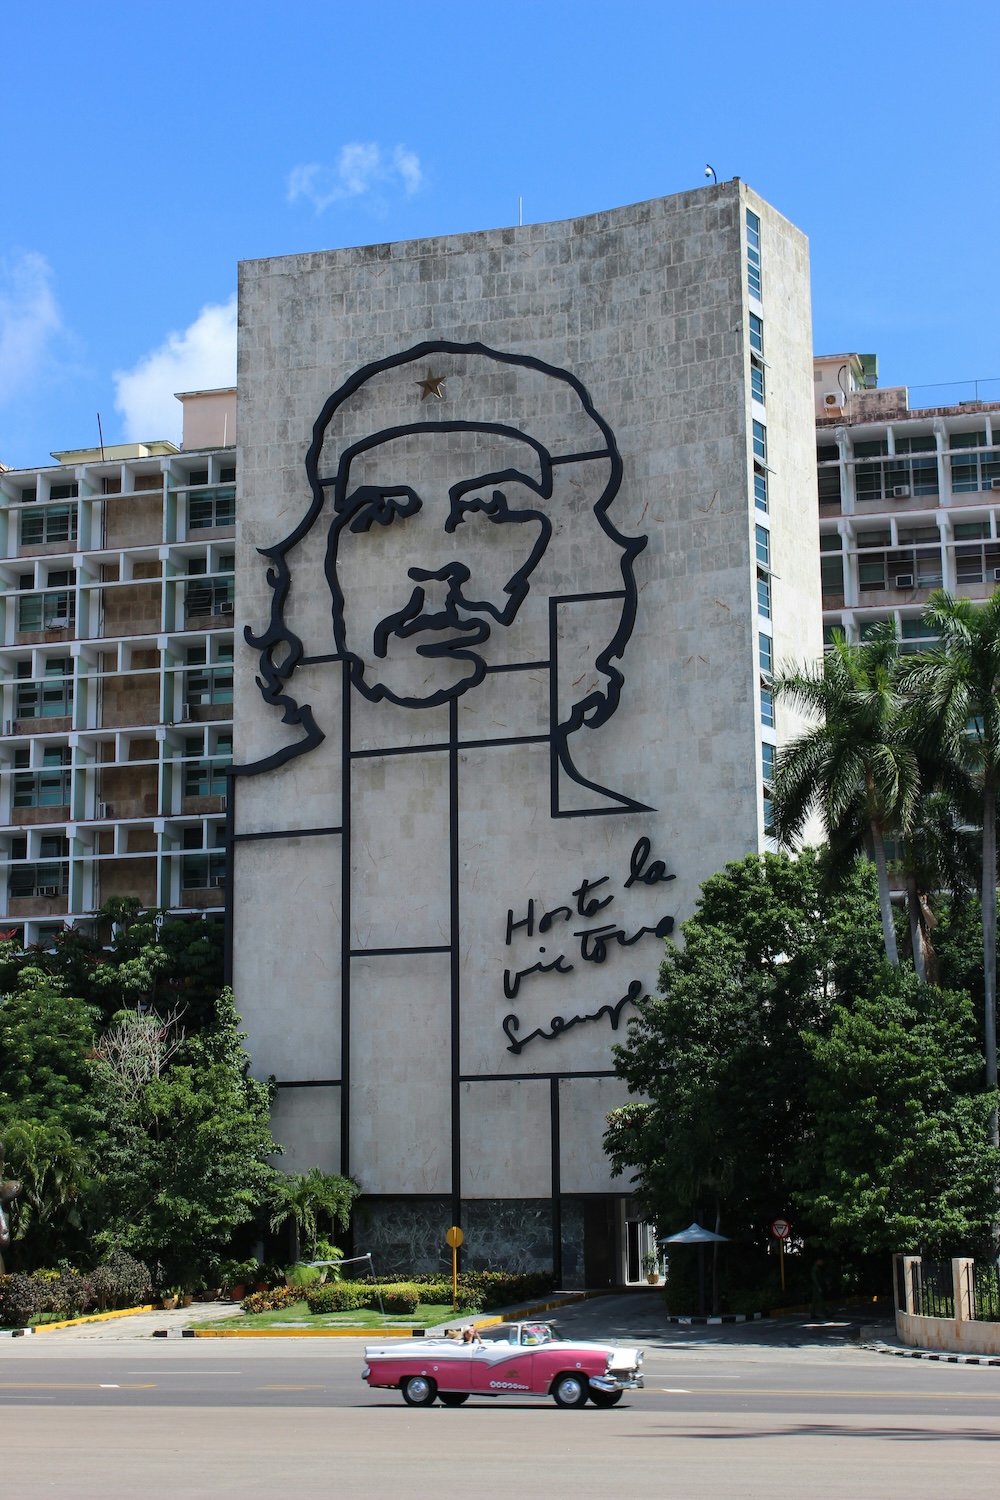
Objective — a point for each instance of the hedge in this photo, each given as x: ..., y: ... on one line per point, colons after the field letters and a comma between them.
x: 59, y: 1294
x: 273, y: 1300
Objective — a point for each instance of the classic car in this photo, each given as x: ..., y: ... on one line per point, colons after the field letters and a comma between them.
x: 524, y: 1359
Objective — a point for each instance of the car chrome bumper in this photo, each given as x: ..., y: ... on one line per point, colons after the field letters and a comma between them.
x: 629, y: 1382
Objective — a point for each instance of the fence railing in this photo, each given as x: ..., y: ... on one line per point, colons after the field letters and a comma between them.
x: 960, y: 1289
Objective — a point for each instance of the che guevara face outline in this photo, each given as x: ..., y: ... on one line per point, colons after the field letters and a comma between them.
x: 281, y: 649
x: 447, y: 605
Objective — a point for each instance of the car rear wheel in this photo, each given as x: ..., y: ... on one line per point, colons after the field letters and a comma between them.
x: 605, y: 1398
x: 452, y: 1398
x: 419, y: 1390
x: 570, y: 1390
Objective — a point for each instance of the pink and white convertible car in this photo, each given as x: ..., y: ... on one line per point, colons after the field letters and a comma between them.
x: 523, y: 1359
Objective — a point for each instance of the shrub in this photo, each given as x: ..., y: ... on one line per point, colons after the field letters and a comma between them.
x: 19, y: 1300
x: 340, y: 1296
x: 271, y: 1301
x: 66, y: 1295
x: 401, y: 1300
x: 122, y: 1281
x: 301, y: 1275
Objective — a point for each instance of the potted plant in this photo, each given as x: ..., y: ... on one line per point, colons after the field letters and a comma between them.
x: 651, y: 1266
x: 169, y: 1297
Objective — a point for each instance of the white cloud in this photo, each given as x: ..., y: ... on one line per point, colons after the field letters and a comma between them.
x: 361, y: 167
x: 200, y: 358
x: 29, y: 318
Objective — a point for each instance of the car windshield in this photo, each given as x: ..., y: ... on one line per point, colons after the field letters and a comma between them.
x: 528, y: 1335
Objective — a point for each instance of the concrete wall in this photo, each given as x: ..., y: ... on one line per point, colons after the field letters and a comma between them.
x: 450, y: 808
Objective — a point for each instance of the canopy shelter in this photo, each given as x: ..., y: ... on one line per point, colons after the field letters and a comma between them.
x: 696, y: 1235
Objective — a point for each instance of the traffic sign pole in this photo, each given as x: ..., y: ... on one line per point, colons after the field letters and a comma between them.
x: 781, y: 1229
x: 454, y: 1237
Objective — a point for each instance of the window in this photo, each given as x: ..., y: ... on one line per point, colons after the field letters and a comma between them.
x: 971, y: 530
x: 46, y: 612
x: 64, y: 491
x: 45, y: 879
x: 207, y: 777
x: 198, y: 476
x: 760, y: 442
x: 828, y: 453
x: 227, y: 475
x: 205, y: 870
x: 27, y: 495
x: 767, y: 754
x: 753, y: 255
x: 764, y: 595
x: 52, y: 698
x: 919, y: 444
x: 916, y: 635
x: 766, y: 654
x: 975, y: 470
x: 757, y: 381
x: 831, y: 575
x: 756, y: 333
x: 760, y: 488
x: 208, y: 685
x: 211, y: 508
x: 212, y: 597
x: 48, y: 788
x: 768, y: 816
x: 871, y: 573
x: 50, y: 523
x: 767, y: 708
x: 763, y: 543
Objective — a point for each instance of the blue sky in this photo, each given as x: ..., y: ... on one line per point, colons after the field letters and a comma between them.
x: 145, y: 149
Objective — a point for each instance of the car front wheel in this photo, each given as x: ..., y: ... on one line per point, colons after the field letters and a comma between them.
x: 605, y: 1398
x: 453, y: 1398
x: 419, y: 1390
x: 570, y: 1390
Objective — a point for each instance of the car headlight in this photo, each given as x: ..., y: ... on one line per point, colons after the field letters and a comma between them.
x: 638, y: 1359
x: 365, y: 1373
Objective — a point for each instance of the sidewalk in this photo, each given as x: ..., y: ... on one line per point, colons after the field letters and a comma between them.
x: 139, y: 1325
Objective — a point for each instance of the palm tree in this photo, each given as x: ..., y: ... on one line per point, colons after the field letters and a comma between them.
x: 939, y: 853
x: 959, y: 683
x: 303, y: 1197
x: 857, y: 764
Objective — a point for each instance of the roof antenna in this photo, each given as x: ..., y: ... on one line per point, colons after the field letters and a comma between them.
x: 520, y: 211
x: 710, y: 172
x: 100, y: 433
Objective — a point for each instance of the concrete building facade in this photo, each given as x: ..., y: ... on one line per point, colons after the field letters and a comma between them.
x: 909, y: 497
x: 116, y: 654
x: 525, y: 519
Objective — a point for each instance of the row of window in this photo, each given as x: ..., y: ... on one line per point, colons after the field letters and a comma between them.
x: 60, y: 523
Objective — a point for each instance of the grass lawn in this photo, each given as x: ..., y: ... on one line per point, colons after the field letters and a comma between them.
x: 299, y: 1316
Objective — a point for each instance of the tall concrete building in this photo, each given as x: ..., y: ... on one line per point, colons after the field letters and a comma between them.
x: 909, y: 496
x: 116, y: 653
x: 525, y: 519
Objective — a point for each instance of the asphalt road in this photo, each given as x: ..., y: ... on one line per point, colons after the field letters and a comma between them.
x: 748, y: 1413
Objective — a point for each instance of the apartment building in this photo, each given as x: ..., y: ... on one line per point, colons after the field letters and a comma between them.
x: 116, y: 655
x: 909, y: 495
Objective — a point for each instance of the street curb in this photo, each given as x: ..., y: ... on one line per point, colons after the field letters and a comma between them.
x: 944, y: 1359
x: 14, y: 1333
x: 722, y: 1318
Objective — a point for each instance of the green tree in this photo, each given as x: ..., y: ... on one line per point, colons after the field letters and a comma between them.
x: 305, y: 1198
x: 46, y: 1038
x: 720, y: 1055
x: 958, y: 685
x: 857, y: 765
x: 896, y: 1162
x: 189, y: 1137
x: 938, y: 854
x: 53, y: 1170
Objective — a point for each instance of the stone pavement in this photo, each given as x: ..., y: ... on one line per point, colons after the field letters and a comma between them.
x: 141, y: 1325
